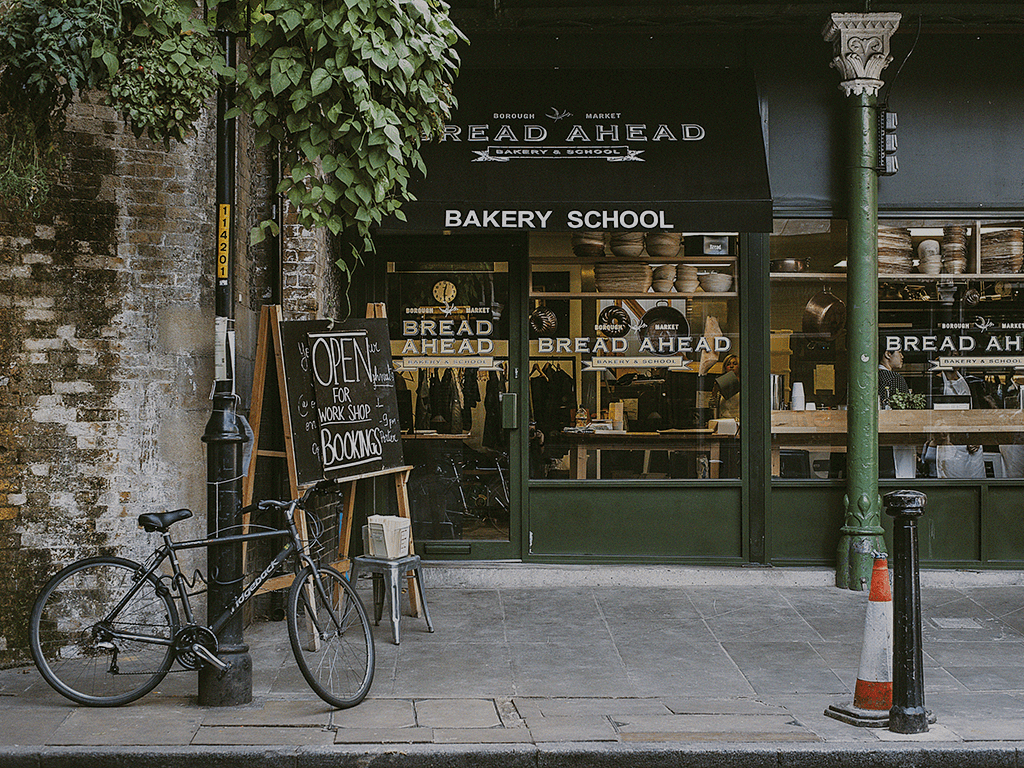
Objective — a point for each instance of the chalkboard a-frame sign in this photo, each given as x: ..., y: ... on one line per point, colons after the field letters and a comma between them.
x: 341, y: 398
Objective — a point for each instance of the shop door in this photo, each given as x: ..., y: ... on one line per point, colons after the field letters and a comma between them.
x: 452, y: 311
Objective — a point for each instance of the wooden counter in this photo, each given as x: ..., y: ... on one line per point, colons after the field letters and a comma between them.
x: 986, y: 426
x: 697, y: 440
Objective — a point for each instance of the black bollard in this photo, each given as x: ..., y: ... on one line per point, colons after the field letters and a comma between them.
x: 908, y: 714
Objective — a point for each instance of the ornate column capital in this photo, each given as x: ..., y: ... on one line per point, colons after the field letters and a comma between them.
x: 861, y: 44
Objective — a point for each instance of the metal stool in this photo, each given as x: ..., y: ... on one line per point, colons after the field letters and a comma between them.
x: 389, y: 573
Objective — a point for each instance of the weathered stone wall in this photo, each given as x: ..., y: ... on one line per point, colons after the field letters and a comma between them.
x: 106, y: 329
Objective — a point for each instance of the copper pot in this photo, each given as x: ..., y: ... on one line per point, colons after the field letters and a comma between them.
x: 825, y: 314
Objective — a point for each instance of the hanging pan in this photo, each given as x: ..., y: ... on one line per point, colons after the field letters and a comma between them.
x: 825, y: 314
x: 663, y: 322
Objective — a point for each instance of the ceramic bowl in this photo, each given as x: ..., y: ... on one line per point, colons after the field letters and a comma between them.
x: 715, y: 282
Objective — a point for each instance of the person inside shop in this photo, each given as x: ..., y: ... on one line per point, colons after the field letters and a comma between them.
x: 727, y: 389
x: 890, y: 381
x: 958, y: 460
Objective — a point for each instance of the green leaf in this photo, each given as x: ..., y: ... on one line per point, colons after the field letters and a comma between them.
x: 278, y: 79
x: 320, y: 82
x: 110, y: 60
x: 290, y: 19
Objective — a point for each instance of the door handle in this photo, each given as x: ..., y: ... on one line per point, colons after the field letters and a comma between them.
x: 509, y: 410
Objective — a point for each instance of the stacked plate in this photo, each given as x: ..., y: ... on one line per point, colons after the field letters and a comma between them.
x: 895, y: 251
x: 1002, y: 252
x: 954, y: 249
x: 623, y: 278
x: 588, y: 244
x: 627, y: 244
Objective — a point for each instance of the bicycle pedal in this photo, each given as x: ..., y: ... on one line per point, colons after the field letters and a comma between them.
x: 206, y: 655
x: 106, y: 645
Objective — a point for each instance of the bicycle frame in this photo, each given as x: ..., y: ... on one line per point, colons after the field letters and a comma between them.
x: 168, y: 551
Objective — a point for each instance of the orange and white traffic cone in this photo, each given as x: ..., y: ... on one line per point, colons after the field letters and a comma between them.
x: 872, y: 696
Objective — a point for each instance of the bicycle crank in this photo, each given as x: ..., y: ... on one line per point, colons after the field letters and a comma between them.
x: 195, y: 645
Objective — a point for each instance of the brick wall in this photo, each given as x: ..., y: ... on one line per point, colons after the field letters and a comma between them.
x: 106, y: 311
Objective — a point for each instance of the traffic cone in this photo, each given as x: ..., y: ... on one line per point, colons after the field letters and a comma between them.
x: 872, y: 697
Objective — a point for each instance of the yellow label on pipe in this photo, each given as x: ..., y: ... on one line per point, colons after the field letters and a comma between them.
x: 223, y: 240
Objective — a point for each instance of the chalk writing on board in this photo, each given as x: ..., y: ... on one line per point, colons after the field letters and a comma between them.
x: 356, y: 407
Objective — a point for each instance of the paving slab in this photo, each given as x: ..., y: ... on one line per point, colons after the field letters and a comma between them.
x: 592, y: 669
x: 584, y: 707
x: 36, y: 725
x: 579, y: 675
x: 261, y: 736
x: 384, y: 736
x: 271, y: 712
x: 482, y: 735
x: 936, y: 732
x: 779, y: 726
x: 376, y: 713
x: 740, y: 706
x: 457, y: 713
x: 572, y: 729
x: 127, y: 726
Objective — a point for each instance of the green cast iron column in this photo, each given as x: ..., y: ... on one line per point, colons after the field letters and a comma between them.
x: 861, y: 51
x: 862, y: 531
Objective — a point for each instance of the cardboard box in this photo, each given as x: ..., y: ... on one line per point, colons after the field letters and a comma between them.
x: 388, y: 536
x: 724, y: 426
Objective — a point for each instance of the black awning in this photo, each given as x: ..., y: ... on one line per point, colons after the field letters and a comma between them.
x: 563, y: 150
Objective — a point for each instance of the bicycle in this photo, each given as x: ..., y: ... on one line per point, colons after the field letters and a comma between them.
x: 105, y: 630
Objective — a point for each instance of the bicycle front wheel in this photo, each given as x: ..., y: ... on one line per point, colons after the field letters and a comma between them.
x: 101, y: 632
x: 330, y: 637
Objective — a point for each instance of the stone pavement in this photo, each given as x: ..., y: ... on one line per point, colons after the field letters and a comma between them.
x: 649, y: 671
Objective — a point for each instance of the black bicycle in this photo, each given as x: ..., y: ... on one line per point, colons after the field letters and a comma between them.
x: 106, y: 630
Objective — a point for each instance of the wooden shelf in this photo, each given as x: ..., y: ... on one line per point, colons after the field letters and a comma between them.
x: 808, y: 276
x: 911, y: 277
x: 699, y: 295
x: 632, y: 260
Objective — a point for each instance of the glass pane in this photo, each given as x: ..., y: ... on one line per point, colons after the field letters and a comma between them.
x: 808, y: 371
x: 449, y: 331
x: 950, y: 317
x: 633, y: 365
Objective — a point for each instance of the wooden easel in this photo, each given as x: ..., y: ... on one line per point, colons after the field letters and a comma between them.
x: 269, y: 343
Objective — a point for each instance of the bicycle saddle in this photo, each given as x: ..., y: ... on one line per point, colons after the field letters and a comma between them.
x: 161, y: 521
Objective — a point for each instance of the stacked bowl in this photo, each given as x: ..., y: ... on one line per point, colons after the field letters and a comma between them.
x: 929, y: 257
x: 664, y: 245
x: 664, y: 278
x: 686, y: 278
x: 627, y: 244
x: 588, y: 244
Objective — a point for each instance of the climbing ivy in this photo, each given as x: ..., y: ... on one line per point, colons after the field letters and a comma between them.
x: 157, y: 64
x: 348, y: 89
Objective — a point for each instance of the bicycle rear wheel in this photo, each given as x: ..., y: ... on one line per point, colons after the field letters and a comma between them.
x: 91, y: 653
x: 330, y: 637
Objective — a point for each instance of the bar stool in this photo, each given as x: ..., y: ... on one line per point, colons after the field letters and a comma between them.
x: 388, y: 573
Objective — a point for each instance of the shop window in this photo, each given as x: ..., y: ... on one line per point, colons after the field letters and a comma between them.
x: 449, y: 339
x: 951, y: 349
x: 634, y: 368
